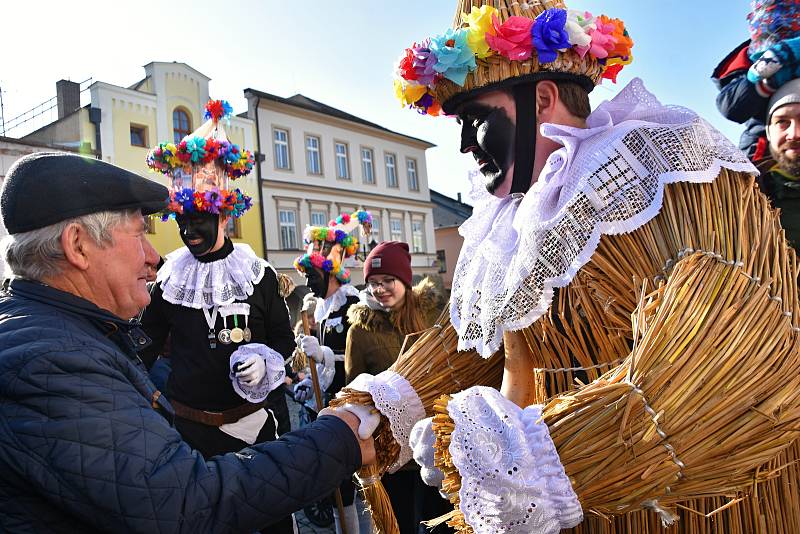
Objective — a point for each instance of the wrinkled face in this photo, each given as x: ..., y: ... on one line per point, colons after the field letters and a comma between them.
x: 387, y: 290
x: 784, y: 138
x: 119, y: 272
x: 487, y: 131
x: 200, y: 232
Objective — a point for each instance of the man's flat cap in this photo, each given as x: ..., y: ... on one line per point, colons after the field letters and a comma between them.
x: 49, y: 187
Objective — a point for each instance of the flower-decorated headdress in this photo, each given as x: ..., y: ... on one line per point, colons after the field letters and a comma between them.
x: 500, y: 43
x: 771, y: 21
x: 328, y: 246
x: 201, y: 166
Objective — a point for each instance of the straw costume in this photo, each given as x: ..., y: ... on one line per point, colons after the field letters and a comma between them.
x: 644, y: 262
x: 220, y: 311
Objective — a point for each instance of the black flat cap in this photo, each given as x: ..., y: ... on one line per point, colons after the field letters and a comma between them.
x: 49, y: 187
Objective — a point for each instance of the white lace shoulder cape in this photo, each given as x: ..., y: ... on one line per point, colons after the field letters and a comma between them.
x: 194, y: 284
x: 607, y: 178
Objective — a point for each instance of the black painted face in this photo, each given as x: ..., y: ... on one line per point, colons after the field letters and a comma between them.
x: 317, y: 283
x: 488, y: 133
x: 199, y: 231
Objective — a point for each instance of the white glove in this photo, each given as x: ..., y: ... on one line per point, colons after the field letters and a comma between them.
x: 311, y: 347
x: 369, y: 417
x: 422, y: 441
x: 251, y: 371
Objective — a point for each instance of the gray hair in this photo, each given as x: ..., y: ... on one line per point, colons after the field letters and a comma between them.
x: 38, y: 254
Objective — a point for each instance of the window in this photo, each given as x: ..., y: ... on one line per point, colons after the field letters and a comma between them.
x: 376, y: 229
x: 417, y: 238
x: 281, y: 139
x: 150, y: 224
x: 441, y: 260
x: 138, y: 135
x: 181, y: 124
x: 411, y: 169
x: 367, y: 170
x: 396, y: 227
x: 391, y: 172
x: 288, y: 224
x: 233, y: 228
x: 319, y: 218
x: 342, y: 165
x: 313, y: 161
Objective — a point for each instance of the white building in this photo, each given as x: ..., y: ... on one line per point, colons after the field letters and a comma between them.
x: 321, y: 161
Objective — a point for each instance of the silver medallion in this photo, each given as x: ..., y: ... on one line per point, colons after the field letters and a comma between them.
x: 339, y: 328
x: 247, y: 335
x: 225, y: 336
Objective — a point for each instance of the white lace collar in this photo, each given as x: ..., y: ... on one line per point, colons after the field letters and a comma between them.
x: 185, y: 281
x: 327, y: 306
x: 607, y: 178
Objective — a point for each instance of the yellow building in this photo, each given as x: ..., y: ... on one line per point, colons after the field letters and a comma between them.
x: 121, y: 124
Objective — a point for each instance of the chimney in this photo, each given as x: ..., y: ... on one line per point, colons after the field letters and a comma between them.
x: 68, y: 97
x: 459, y: 198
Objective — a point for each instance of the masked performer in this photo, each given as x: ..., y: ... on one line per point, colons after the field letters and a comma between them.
x: 217, y: 303
x: 579, y: 218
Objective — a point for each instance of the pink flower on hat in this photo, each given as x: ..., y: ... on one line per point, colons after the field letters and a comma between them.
x: 513, y: 38
x: 603, y: 40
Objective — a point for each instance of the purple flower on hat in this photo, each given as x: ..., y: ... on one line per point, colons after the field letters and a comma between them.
x: 423, y: 62
x: 340, y: 235
x: 214, y: 200
x: 327, y: 266
x: 549, y: 35
x: 454, y: 58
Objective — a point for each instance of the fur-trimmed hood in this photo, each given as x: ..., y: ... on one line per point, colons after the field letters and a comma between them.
x: 372, y: 317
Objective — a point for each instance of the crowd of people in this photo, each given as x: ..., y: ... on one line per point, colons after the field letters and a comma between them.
x: 133, y: 404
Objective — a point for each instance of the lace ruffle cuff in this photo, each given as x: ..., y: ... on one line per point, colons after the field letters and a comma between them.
x: 512, y: 479
x: 396, y: 399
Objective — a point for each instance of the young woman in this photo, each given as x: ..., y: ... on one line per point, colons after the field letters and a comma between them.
x: 390, y: 309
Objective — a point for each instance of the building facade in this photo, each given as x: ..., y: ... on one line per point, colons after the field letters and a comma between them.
x: 448, y: 215
x: 321, y: 161
x: 121, y: 124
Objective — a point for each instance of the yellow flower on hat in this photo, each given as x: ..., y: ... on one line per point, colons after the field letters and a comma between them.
x: 408, y: 93
x: 480, y: 23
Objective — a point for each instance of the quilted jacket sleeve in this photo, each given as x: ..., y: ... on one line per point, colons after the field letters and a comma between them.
x: 77, y: 428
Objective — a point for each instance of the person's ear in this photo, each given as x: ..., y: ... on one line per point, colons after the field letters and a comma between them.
x: 74, y: 241
x: 546, y: 100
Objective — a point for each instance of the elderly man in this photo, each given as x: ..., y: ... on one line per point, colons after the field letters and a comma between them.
x: 86, y: 440
x: 780, y: 175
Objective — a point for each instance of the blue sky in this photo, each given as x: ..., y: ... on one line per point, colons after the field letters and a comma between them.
x: 340, y: 53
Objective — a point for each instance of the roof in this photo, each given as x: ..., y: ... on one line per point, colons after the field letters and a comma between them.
x: 448, y: 212
x: 309, y: 104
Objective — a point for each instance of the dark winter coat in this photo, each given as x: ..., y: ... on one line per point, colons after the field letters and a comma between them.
x: 373, y: 341
x: 82, y: 449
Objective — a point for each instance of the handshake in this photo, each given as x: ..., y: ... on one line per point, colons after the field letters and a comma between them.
x: 776, y: 65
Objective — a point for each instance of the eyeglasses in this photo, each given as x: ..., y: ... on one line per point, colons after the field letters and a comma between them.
x: 387, y: 284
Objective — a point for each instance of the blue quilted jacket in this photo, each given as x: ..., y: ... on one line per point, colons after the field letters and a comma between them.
x: 82, y: 448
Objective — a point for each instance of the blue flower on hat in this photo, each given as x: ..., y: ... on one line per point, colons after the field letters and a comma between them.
x: 549, y: 34
x: 185, y: 197
x: 454, y: 58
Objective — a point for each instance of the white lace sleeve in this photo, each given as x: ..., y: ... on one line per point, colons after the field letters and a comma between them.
x: 275, y: 374
x: 512, y: 480
x: 396, y: 399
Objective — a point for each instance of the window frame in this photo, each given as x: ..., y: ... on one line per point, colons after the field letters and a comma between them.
x: 287, y: 143
x: 409, y: 162
x: 421, y: 235
x: 371, y: 151
x: 282, y: 225
x: 237, y: 228
x: 399, y: 235
x: 324, y: 213
x: 185, y: 132
x: 142, y: 129
x: 336, y: 156
x: 308, y: 152
x: 386, y: 156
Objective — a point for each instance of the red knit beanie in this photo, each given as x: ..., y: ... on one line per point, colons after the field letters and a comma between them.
x: 390, y: 258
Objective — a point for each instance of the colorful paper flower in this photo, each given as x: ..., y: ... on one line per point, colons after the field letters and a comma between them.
x: 408, y: 93
x: 549, y: 35
x: 577, y: 27
x: 512, y: 38
x: 213, y: 200
x: 479, y: 23
x: 622, y: 41
x: 217, y: 110
x: 454, y: 57
x: 603, y: 40
x: 611, y: 72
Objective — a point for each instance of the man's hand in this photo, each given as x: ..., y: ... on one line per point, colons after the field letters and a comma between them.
x: 367, y: 446
x: 302, y: 390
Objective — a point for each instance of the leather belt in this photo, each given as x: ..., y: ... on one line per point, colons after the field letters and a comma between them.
x: 216, y: 418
